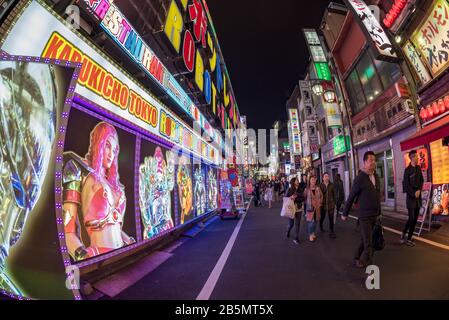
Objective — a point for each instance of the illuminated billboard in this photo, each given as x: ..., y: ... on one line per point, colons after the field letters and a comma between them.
x: 34, y: 95
x: 184, y: 181
x: 295, y: 130
x: 84, y: 148
x: 98, y: 186
x: 212, y: 189
x: 156, y: 185
x: 101, y: 80
x: 199, y: 189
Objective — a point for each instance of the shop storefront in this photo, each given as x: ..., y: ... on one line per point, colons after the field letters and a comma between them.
x: 428, y: 55
x: 390, y: 167
x: 88, y: 122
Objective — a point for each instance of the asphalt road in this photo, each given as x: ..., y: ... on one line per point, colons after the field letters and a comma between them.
x: 263, y: 264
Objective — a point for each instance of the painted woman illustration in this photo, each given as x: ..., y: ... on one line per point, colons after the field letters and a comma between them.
x: 94, y: 195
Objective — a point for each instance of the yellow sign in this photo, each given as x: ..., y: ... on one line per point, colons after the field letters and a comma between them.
x: 440, y: 162
x: 432, y: 37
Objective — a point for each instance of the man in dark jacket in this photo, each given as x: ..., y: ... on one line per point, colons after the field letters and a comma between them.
x: 339, y: 192
x: 366, y: 189
x: 328, y: 207
x: 412, y: 185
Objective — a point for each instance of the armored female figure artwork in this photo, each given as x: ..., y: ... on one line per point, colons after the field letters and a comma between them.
x: 156, y: 182
x: 184, y: 180
x: 94, y: 195
x: 28, y: 108
x: 199, y: 192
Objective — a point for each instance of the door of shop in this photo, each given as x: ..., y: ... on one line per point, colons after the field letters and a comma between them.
x: 385, y: 172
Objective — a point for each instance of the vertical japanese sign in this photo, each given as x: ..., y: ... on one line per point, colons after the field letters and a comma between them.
x: 294, y: 121
x: 432, y: 37
x: 318, y: 56
x: 415, y: 60
x: 381, y: 45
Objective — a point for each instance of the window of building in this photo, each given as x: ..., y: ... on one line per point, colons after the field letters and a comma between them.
x: 368, y: 79
x: 388, y: 72
x: 355, y: 92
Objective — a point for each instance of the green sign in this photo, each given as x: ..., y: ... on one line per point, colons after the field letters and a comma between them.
x: 339, y: 145
x: 322, y: 71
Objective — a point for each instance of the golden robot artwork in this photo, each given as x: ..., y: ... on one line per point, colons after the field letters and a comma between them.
x: 184, y: 181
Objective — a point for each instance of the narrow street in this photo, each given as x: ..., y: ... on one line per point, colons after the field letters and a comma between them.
x: 263, y: 264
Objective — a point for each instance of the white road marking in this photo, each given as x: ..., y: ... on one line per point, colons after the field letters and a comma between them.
x: 432, y: 243
x: 211, y: 282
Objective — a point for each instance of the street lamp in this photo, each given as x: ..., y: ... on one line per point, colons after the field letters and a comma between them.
x: 329, y: 96
x: 317, y: 89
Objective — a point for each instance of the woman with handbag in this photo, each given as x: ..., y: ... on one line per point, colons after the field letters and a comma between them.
x: 313, y: 198
x: 295, y: 193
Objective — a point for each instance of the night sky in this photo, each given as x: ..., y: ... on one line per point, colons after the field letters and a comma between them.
x: 264, y: 51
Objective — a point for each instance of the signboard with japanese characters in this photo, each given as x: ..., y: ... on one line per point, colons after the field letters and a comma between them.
x: 415, y: 59
x: 379, y: 42
x: 333, y: 115
x: 322, y: 71
x: 432, y: 37
x: 295, y: 130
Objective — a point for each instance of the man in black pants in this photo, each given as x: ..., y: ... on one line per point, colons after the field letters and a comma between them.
x: 366, y: 189
x: 412, y: 185
x: 328, y: 207
x: 339, y: 192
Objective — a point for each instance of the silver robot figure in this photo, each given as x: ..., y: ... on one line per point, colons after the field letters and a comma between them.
x: 27, y: 134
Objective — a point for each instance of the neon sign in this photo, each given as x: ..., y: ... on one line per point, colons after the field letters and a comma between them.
x: 100, y: 80
x: 121, y: 31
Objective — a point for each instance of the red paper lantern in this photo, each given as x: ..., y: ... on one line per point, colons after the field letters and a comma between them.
x: 435, y: 109
x: 446, y: 102
x: 441, y: 106
x: 429, y: 112
x: 423, y: 114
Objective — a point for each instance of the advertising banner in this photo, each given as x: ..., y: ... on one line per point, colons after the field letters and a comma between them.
x: 156, y: 189
x: 380, y: 44
x: 34, y: 95
x: 432, y: 37
x: 98, y: 186
x: 199, y: 189
x: 184, y: 181
x: 212, y: 189
x: 101, y: 81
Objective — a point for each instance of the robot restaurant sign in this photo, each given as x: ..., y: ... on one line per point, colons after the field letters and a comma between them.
x: 100, y: 81
x: 121, y: 31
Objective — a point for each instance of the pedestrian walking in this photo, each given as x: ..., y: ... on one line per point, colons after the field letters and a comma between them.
x: 366, y: 189
x: 328, y: 208
x: 282, y: 190
x: 296, y: 193
x: 313, y: 198
x: 276, y: 190
x: 339, y: 192
x: 412, y: 186
x: 257, y: 201
x: 269, y: 194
